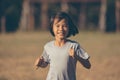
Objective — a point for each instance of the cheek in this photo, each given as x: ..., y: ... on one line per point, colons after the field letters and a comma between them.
x: 54, y: 30
x: 67, y: 30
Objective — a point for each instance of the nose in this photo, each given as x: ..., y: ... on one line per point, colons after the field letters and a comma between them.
x: 61, y: 28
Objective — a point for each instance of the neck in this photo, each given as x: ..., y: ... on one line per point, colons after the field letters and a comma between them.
x: 60, y: 42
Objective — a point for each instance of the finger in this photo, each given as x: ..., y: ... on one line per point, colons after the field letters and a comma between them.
x: 40, y: 61
x: 36, y: 68
x: 37, y: 61
x: 72, y: 47
x: 71, y: 52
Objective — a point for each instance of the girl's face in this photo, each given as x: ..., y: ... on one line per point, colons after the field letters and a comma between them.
x: 60, y: 29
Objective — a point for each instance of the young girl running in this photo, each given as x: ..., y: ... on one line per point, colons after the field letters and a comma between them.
x: 62, y: 54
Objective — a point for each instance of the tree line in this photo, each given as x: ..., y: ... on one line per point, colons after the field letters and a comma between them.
x: 30, y: 15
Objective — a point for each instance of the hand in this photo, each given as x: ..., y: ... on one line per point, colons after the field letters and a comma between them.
x: 38, y: 62
x: 71, y: 52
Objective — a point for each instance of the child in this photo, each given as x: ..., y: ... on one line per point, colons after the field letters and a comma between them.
x: 62, y: 53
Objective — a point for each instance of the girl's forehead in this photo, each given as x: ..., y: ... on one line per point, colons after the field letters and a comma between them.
x: 56, y: 20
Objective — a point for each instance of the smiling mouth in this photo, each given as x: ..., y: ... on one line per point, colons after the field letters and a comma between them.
x: 61, y: 33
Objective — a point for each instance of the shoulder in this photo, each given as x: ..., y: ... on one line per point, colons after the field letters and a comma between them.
x: 73, y: 42
x: 49, y: 44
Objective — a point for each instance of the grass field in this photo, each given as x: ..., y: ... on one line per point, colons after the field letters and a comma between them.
x: 18, y: 52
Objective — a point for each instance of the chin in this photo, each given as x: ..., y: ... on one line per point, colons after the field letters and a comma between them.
x: 62, y: 37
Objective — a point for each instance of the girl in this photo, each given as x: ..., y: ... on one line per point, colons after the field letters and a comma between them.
x: 62, y: 53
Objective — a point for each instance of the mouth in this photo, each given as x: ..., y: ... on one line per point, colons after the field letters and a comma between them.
x: 61, y: 33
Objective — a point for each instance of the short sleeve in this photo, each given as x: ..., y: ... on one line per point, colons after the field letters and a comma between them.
x: 46, y: 57
x: 80, y: 52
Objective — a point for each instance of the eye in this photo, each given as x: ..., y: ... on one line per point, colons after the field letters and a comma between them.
x: 57, y: 26
x: 64, y: 25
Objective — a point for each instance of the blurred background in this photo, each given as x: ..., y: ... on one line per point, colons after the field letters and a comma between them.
x: 24, y: 32
x: 32, y: 15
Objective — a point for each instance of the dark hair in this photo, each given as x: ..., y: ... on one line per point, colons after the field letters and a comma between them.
x: 63, y: 15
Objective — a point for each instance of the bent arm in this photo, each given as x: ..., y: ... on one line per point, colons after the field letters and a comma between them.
x: 85, y: 62
x: 41, y: 63
x: 83, y: 57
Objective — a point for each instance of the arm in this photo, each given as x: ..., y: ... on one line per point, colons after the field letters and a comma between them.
x: 83, y: 57
x: 85, y: 62
x: 40, y: 63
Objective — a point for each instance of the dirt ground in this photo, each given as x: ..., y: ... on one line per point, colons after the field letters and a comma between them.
x: 18, y: 52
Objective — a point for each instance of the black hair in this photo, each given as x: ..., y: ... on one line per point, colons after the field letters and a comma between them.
x: 73, y: 30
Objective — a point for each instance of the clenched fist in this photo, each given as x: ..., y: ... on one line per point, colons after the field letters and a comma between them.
x: 39, y: 62
x: 71, y: 52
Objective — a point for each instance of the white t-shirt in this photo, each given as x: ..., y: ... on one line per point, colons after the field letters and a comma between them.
x: 62, y: 66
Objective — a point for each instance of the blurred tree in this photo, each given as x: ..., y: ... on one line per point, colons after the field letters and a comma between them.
x: 64, y: 6
x: 3, y: 21
x: 2, y: 16
x: 53, y: 8
x: 37, y: 17
x: 93, y: 10
x: 74, y: 11
x: 117, y: 15
x: 25, y: 14
x: 102, y: 17
x: 9, y: 14
x: 27, y: 19
x: 82, y: 16
x: 110, y: 16
x: 44, y: 16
